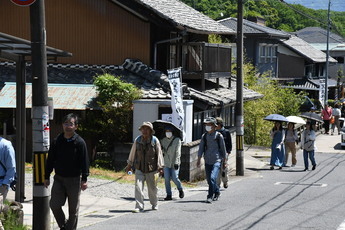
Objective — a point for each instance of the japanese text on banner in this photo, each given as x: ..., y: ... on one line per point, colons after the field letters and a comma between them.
x: 176, y: 97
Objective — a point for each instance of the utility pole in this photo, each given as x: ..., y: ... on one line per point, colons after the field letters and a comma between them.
x: 40, y: 117
x: 327, y: 53
x: 239, y: 93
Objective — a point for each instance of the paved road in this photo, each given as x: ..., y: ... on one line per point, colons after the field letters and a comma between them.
x: 278, y: 199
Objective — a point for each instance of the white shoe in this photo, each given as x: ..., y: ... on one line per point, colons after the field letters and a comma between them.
x: 137, y: 210
x: 155, y: 207
x: 293, y: 165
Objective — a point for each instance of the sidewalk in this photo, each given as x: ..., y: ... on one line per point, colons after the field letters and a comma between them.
x: 97, y: 209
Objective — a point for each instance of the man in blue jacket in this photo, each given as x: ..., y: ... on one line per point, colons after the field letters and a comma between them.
x: 7, y: 169
x: 212, y: 147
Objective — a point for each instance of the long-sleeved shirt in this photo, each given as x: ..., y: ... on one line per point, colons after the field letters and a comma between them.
x: 172, y: 151
x: 68, y: 157
x: 7, y: 158
x: 214, y: 152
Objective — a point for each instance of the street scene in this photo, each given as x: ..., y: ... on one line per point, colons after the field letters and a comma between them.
x: 262, y: 199
x: 189, y: 114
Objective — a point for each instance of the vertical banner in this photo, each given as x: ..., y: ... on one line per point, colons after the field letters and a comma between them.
x: 322, y: 91
x: 174, y: 76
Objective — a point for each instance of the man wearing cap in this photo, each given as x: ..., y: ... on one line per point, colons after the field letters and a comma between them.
x: 223, y: 174
x: 212, y: 147
x: 146, y: 157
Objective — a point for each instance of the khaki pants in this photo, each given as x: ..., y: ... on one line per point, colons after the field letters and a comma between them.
x: 140, y: 178
x: 3, y: 195
x: 290, y: 147
x: 223, y: 174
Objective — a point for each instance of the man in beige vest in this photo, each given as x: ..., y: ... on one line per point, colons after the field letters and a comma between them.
x: 147, y: 159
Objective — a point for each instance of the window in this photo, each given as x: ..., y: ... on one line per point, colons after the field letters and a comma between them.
x: 267, y: 53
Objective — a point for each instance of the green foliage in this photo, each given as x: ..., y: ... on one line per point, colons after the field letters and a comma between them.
x: 114, y: 122
x: 278, y: 100
x: 10, y: 219
x: 277, y: 14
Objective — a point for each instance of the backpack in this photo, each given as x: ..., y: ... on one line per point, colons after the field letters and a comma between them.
x: 14, y: 182
x: 217, y: 138
x: 227, y: 139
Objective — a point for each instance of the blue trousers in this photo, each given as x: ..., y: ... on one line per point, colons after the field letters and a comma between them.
x: 311, y: 157
x: 171, y: 174
x: 212, y: 172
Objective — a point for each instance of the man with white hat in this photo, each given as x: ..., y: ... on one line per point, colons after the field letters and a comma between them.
x: 146, y: 157
x: 212, y: 147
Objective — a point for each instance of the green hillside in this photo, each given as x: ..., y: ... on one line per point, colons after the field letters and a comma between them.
x: 278, y: 15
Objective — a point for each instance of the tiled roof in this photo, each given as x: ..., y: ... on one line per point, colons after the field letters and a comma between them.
x: 184, y: 16
x: 252, y: 28
x: 318, y: 35
x: 301, y: 83
x: 84, y: 74
x: 65, y: 96
x: 306, y: 50
x: 307, y: 84
x: 223, y: 95
x: 153, y: 83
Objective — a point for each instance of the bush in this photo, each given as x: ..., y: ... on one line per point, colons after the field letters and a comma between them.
x: 114, y: 122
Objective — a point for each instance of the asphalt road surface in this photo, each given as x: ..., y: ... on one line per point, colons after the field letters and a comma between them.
x: 273, y: 199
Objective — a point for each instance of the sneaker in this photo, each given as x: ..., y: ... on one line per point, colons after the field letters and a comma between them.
x: 305, y: 169
x: 209, y: 200
x: 181, y: 193
x: 155, y: 207
x: 225, y: 185
x: 216, y: 196
x: 168, y: 197
x: 137, y: 210
x: 293, y: 165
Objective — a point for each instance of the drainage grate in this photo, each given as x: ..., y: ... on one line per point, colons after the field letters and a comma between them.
x: 302, y: 184
x: 99, y: 216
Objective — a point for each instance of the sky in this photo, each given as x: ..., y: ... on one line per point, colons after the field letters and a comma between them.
x: 336, y: 5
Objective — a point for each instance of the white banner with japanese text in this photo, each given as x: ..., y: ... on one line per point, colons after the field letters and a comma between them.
x: 174, y: 76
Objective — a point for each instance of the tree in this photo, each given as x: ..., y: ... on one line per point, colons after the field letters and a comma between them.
x: 114, y: 122
x: 275, y: 99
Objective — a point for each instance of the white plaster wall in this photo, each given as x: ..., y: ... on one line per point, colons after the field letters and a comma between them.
x: 147, y: 110
x: 143, y: 112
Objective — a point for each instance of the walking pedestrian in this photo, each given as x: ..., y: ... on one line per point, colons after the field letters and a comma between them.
x: 326, y: 115
x: 224, y: 169
x: 291, y: 139
x: 69, y: 158
x: 171, y: 147
x: 7, y: 170
x: 308, y: 146
x: 336, y: 113
x: 146, y: 157
x: 212, y: 147
x: 277, y: 147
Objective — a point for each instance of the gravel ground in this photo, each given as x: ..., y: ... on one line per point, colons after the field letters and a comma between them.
x: 109, y: 188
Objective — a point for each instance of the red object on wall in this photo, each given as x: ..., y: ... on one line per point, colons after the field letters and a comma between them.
x: 23, y: 2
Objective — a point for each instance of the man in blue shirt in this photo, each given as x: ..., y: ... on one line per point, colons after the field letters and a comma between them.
x: 212, y: 147
x: 7, y: 169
